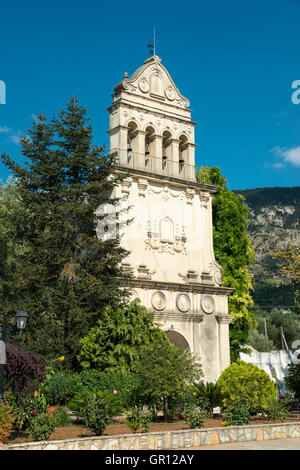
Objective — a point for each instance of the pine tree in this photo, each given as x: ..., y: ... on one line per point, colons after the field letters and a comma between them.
x: 67, y: 276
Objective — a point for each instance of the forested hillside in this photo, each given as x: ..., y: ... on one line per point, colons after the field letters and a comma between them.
x: 274, y: 221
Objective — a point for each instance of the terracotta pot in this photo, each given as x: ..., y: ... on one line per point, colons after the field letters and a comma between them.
x: 52, y: 409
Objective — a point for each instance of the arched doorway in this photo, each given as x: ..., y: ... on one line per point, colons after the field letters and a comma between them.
x: 177, y: 339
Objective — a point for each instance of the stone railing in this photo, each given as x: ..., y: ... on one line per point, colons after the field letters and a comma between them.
x: 162, y: 166
x: 183, y: 439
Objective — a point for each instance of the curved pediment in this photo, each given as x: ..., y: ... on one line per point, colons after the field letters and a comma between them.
x: 152, y: 80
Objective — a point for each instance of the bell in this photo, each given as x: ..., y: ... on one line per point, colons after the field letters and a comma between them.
x: 129, y: 148
x: 147, y: 150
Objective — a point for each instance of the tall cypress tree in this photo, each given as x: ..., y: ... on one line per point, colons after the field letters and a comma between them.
x: 67, y: 276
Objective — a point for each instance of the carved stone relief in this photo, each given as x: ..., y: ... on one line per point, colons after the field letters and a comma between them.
x: 183, y: 302
x: 208, y: 304
x: 164, y: 237
x: 159, y: 300
x: 144, y: 85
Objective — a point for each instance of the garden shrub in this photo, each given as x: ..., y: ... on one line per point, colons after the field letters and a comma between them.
x: 237, y: 415
x: 163, y: 370
x: 23, y: 370
x: 96, y: 408
x: 61, y: 417
x: 7, y: 417
x: 247, y: 382
x: 210, y: 393
x: 195, y: 416
x: 41, y: 427
x: 138, y: 418
x: 277, y: 409
x: 292, y: 380
x: 61, y: 387
x: 124, y: 382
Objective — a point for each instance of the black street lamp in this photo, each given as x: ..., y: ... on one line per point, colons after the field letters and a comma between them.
x: 21, y: 323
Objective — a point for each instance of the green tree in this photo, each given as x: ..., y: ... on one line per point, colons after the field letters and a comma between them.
x: 289, y: 263
x: 163, y: 371
x: 234, y: 253
x: 12, y: 247
x: 276, y: 321
x: 66, y: 275
x: 117, y: 339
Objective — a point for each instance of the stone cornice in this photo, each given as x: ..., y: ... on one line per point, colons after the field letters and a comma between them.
x: 182, y: 317
x: 178, y: 181
x: 179, y: 287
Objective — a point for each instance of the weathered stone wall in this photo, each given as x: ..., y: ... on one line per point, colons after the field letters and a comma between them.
x: 170, y: 440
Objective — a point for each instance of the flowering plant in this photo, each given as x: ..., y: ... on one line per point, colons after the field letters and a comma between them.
x: 195, y: 416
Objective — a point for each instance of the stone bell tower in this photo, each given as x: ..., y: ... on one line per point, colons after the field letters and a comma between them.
x: 170, y: 236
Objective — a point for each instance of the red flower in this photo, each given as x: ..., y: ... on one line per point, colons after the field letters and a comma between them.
x: 186, y: 416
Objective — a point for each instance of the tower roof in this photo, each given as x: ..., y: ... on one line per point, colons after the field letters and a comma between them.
x: 154, y: 81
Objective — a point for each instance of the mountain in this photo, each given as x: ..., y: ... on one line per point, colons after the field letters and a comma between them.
x: 274, y: 221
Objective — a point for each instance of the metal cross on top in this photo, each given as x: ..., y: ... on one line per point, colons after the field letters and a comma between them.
x: 151, y: 44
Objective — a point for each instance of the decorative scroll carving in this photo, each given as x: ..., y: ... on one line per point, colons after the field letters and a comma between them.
x: 125, y: 185
x: 142, y: 185
x: 162, y: 237
x: 204, y: 197
x: 216, y: 273
x: 190, y: 193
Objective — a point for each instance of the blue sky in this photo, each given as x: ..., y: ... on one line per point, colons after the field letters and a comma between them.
x: 235, y: 61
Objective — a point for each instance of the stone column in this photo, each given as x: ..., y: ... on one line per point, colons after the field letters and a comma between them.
x: 173, y: 165
x: 139, y: 153
x: 118, y: 143
x: 224, y: 348
x: 156, y: 163
x: 190, y: 171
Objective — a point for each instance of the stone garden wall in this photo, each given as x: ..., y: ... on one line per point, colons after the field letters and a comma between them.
x: 170, y: 440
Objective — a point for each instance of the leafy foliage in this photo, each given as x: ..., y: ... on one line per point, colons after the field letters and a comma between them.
x: 210, y: 392
x: 7, y: 417
x: 237, y: 415
x: 276, y: 409
x: 233, y: 252
x: 292, y: 380
x: 61, y: 387
x: 247, y: 382
x: 23, y: 369
x: 116, y: 341
x: 289, y: 261
x: 275, y: 320
x: 96, y: 408
x: 124, y: 382
x: 195, y: 416
x: 65, y: 276
x: 259, y: 342
x: 41, y: 427
x: 163, y: 370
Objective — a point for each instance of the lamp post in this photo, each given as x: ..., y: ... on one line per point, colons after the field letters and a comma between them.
x: 21, y: 323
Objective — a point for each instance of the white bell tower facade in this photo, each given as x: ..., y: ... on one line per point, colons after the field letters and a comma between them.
x: 170, y: 234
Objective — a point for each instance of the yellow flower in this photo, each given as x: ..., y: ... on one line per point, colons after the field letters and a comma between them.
x: 62, y: 358
x: 194, y: 393
x: 36, y: 394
